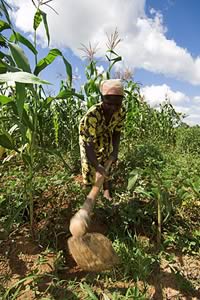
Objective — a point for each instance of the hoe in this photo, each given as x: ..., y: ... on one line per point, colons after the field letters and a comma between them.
x: 91, y: 251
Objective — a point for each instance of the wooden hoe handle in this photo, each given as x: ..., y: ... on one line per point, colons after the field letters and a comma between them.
x: 80, y: 221
x: 91, y: 197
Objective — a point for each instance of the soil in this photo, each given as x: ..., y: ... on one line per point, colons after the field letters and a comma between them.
x: 20, y: 255
x: 24, y: 253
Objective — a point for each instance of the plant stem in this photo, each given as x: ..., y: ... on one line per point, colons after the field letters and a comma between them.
x: 159, y: 215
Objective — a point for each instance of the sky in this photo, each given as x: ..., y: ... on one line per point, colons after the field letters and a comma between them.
x: 160, y: 43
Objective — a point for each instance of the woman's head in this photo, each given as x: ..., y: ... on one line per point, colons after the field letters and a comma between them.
x: 112, y: 92
x: 112, y: 87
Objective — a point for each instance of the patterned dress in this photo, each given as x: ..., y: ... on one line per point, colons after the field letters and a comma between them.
x: 93, y: 128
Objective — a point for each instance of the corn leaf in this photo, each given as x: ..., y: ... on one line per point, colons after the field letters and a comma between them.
x: 112, y: 52
x: 19, y: 57
x: 5, y: 99
x: 51, y: 56
x: 44, y: 17
x: 6, y: 141
x: 25, y: 118
x: 114, y: 60
x: 68, y: 93
x: 37, y: 19
x: 20, y: 38
x: 3, y: 25
x: 132, y: 181
x: 4, y: 9
x: 3, y: 68
x: 22, y: 77
x: 27, y: 159
x: 20, y: 97
x: 8, y: 57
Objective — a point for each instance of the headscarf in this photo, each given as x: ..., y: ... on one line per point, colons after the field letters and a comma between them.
x: 112, y: 87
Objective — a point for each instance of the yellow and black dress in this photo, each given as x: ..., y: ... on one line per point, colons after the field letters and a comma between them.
x: 93, y: 128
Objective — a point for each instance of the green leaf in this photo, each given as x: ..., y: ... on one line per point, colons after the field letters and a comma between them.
x: 140, y: 190
x: 44, y: 17
x: 27, y: 278
x: 37, y: 19
x: 3, y: 25
x: 20, y: 38
x: 27, y: 159
x: 89, y: 291
x: 68, y: 93
x: 26, y: 120
x: 19, y: 57
x: 46, y: 61
x: 2, y: 41
x: 119, y: 58
x: 80, y: 96
x: 20, y: 97
x: 68, y: 69
x: 23, y: 77
x: 6, y: 141
x: 116, y: 59
x: 8, y: 57
x: 108, y: 58
x: 91, y: 68
x: 132, y: 182
x: 3, y: 68
x: 5, y: 99
x: 3, y: 7
x: 64, y: 95
x: 107, y: 75
x: 113, y: 52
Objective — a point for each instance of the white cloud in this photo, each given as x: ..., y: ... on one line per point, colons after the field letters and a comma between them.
x: 144, y: 42
x: 80, y: 21
x: 155, y: 95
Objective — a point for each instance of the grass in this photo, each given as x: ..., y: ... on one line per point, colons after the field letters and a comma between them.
x: 130, y: 223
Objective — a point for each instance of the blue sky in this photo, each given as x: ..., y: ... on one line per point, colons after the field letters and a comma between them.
x: 160, y: 43
x: 181, y: 17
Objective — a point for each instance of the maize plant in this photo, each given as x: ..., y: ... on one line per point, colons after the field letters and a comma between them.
x: 26, y: 100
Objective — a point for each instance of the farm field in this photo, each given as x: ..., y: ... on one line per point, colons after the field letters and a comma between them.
x: 40, y: 266
x: 154, y: 216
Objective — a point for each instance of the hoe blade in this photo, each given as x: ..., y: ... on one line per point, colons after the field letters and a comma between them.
x: 93, y: 252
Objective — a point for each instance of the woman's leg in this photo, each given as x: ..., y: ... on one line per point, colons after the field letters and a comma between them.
x: 107, y: 189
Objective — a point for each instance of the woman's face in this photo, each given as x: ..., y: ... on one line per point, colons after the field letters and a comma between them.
x: 112, y: 103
